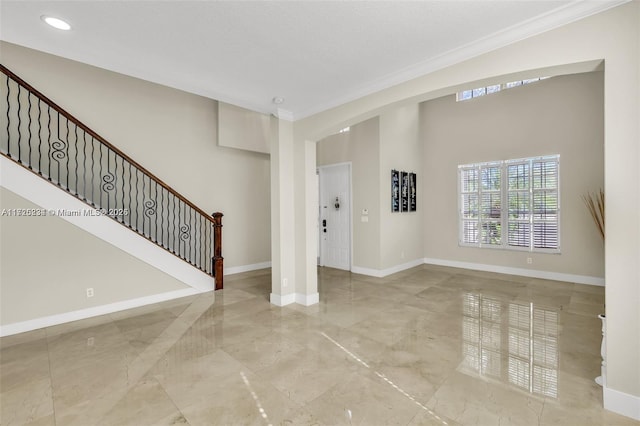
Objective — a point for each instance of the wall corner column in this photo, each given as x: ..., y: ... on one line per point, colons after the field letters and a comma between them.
x: 283, y: 255
x: 306, y: 225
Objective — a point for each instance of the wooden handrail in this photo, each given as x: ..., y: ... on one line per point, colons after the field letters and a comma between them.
x: 102, y: 140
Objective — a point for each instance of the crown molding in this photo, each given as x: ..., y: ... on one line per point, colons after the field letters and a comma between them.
x: 572, y: 12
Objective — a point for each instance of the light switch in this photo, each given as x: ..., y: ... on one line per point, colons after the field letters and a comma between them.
x: 364, y: 218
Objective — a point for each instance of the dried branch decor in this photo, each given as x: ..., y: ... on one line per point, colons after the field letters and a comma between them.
x: 595, y: 205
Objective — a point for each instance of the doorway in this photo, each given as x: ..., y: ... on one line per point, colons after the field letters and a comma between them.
x: 334, y: 224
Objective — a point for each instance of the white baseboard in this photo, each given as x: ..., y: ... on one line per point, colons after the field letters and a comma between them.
x: 282, y: 300
x: 37, y: 190
x: 48, y: 321
x: 621, y: 403
x: 301, y: 299
x: 547, y: 275
x: 247, y: 268
x: 380, y: 273
x: 307, y: 299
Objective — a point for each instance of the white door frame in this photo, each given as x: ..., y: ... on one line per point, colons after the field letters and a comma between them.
x: 321, y: 261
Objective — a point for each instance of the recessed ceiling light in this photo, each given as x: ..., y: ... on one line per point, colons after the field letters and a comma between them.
x: 278, y: 100
x: 56, y: 22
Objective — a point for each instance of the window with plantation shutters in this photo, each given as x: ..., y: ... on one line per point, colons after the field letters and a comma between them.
x: 511, y: 204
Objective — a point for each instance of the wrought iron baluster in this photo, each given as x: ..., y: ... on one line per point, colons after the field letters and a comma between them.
x: 100, y: 163
x: 68, y: 157
x: 122, y: 190
x: 144, y: 195
x: 199, y: 220
x: 162, y: 210
x: 194, y: 236
x: 138, y: 203
x: 108, y: 171
x: 40, y: 137
x: 84, y: 165
x: 187, y: 233
x: 175, y: 227
x: 155, y: 218
x: 49, y: 140
x: 210, y: 250
x: 8, y: 118
x: 29, y: 128
x: 190, y: 240
x: 170, y: 223
x: 93, y: 166
x: 19, y: 125
x: 77, y: 187
x: 192, y: 256
x: 57, y: 150
x: 183, y: 230
x: 202, y: 241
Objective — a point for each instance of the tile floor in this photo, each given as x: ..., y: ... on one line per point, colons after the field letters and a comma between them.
x: 427, y: 346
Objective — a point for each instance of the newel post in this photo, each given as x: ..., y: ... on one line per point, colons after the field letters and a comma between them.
x: 218, y: 260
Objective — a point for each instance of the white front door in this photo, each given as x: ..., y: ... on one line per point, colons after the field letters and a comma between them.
x: 335, y: 216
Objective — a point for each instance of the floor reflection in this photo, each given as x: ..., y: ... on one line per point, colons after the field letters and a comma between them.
x: 388, y: 381
x: 424, y: 346
x: 515, y: 343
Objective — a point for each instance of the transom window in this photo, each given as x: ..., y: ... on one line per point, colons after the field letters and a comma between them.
x: 513, y: 204
x: 465, y: 95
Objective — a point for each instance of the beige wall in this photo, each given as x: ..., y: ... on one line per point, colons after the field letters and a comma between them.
x: 400, y: 149
x: 243, y: 129
x: 563, y: 115
x: 48, y: 263
x: 171, y: 133
x: 375, y: 147
x: 612, y: 36
x: 360, y: 146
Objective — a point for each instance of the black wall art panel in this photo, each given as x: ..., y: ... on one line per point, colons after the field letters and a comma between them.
x: 395, y: 191
x: 412, y: 192
x: 403, y: 191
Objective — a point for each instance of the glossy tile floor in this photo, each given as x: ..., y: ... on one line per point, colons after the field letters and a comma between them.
x: 431, y: 345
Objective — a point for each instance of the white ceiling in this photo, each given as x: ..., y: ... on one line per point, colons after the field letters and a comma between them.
x: 314, y: 54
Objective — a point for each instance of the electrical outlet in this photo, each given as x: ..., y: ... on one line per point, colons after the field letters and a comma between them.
x: 285, y: 283
x: 529, y: 260
x: 90, y: 292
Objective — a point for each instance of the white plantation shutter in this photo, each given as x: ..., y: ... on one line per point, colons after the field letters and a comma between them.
x: 519, y: 199
x: 511, y: 204
x: 546, y: 209
x: 469, y: 224
x: 490, y: 204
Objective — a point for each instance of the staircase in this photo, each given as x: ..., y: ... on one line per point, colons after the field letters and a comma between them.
x: 40, y: 136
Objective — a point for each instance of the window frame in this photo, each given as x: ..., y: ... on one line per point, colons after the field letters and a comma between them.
x: 504, y: 217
